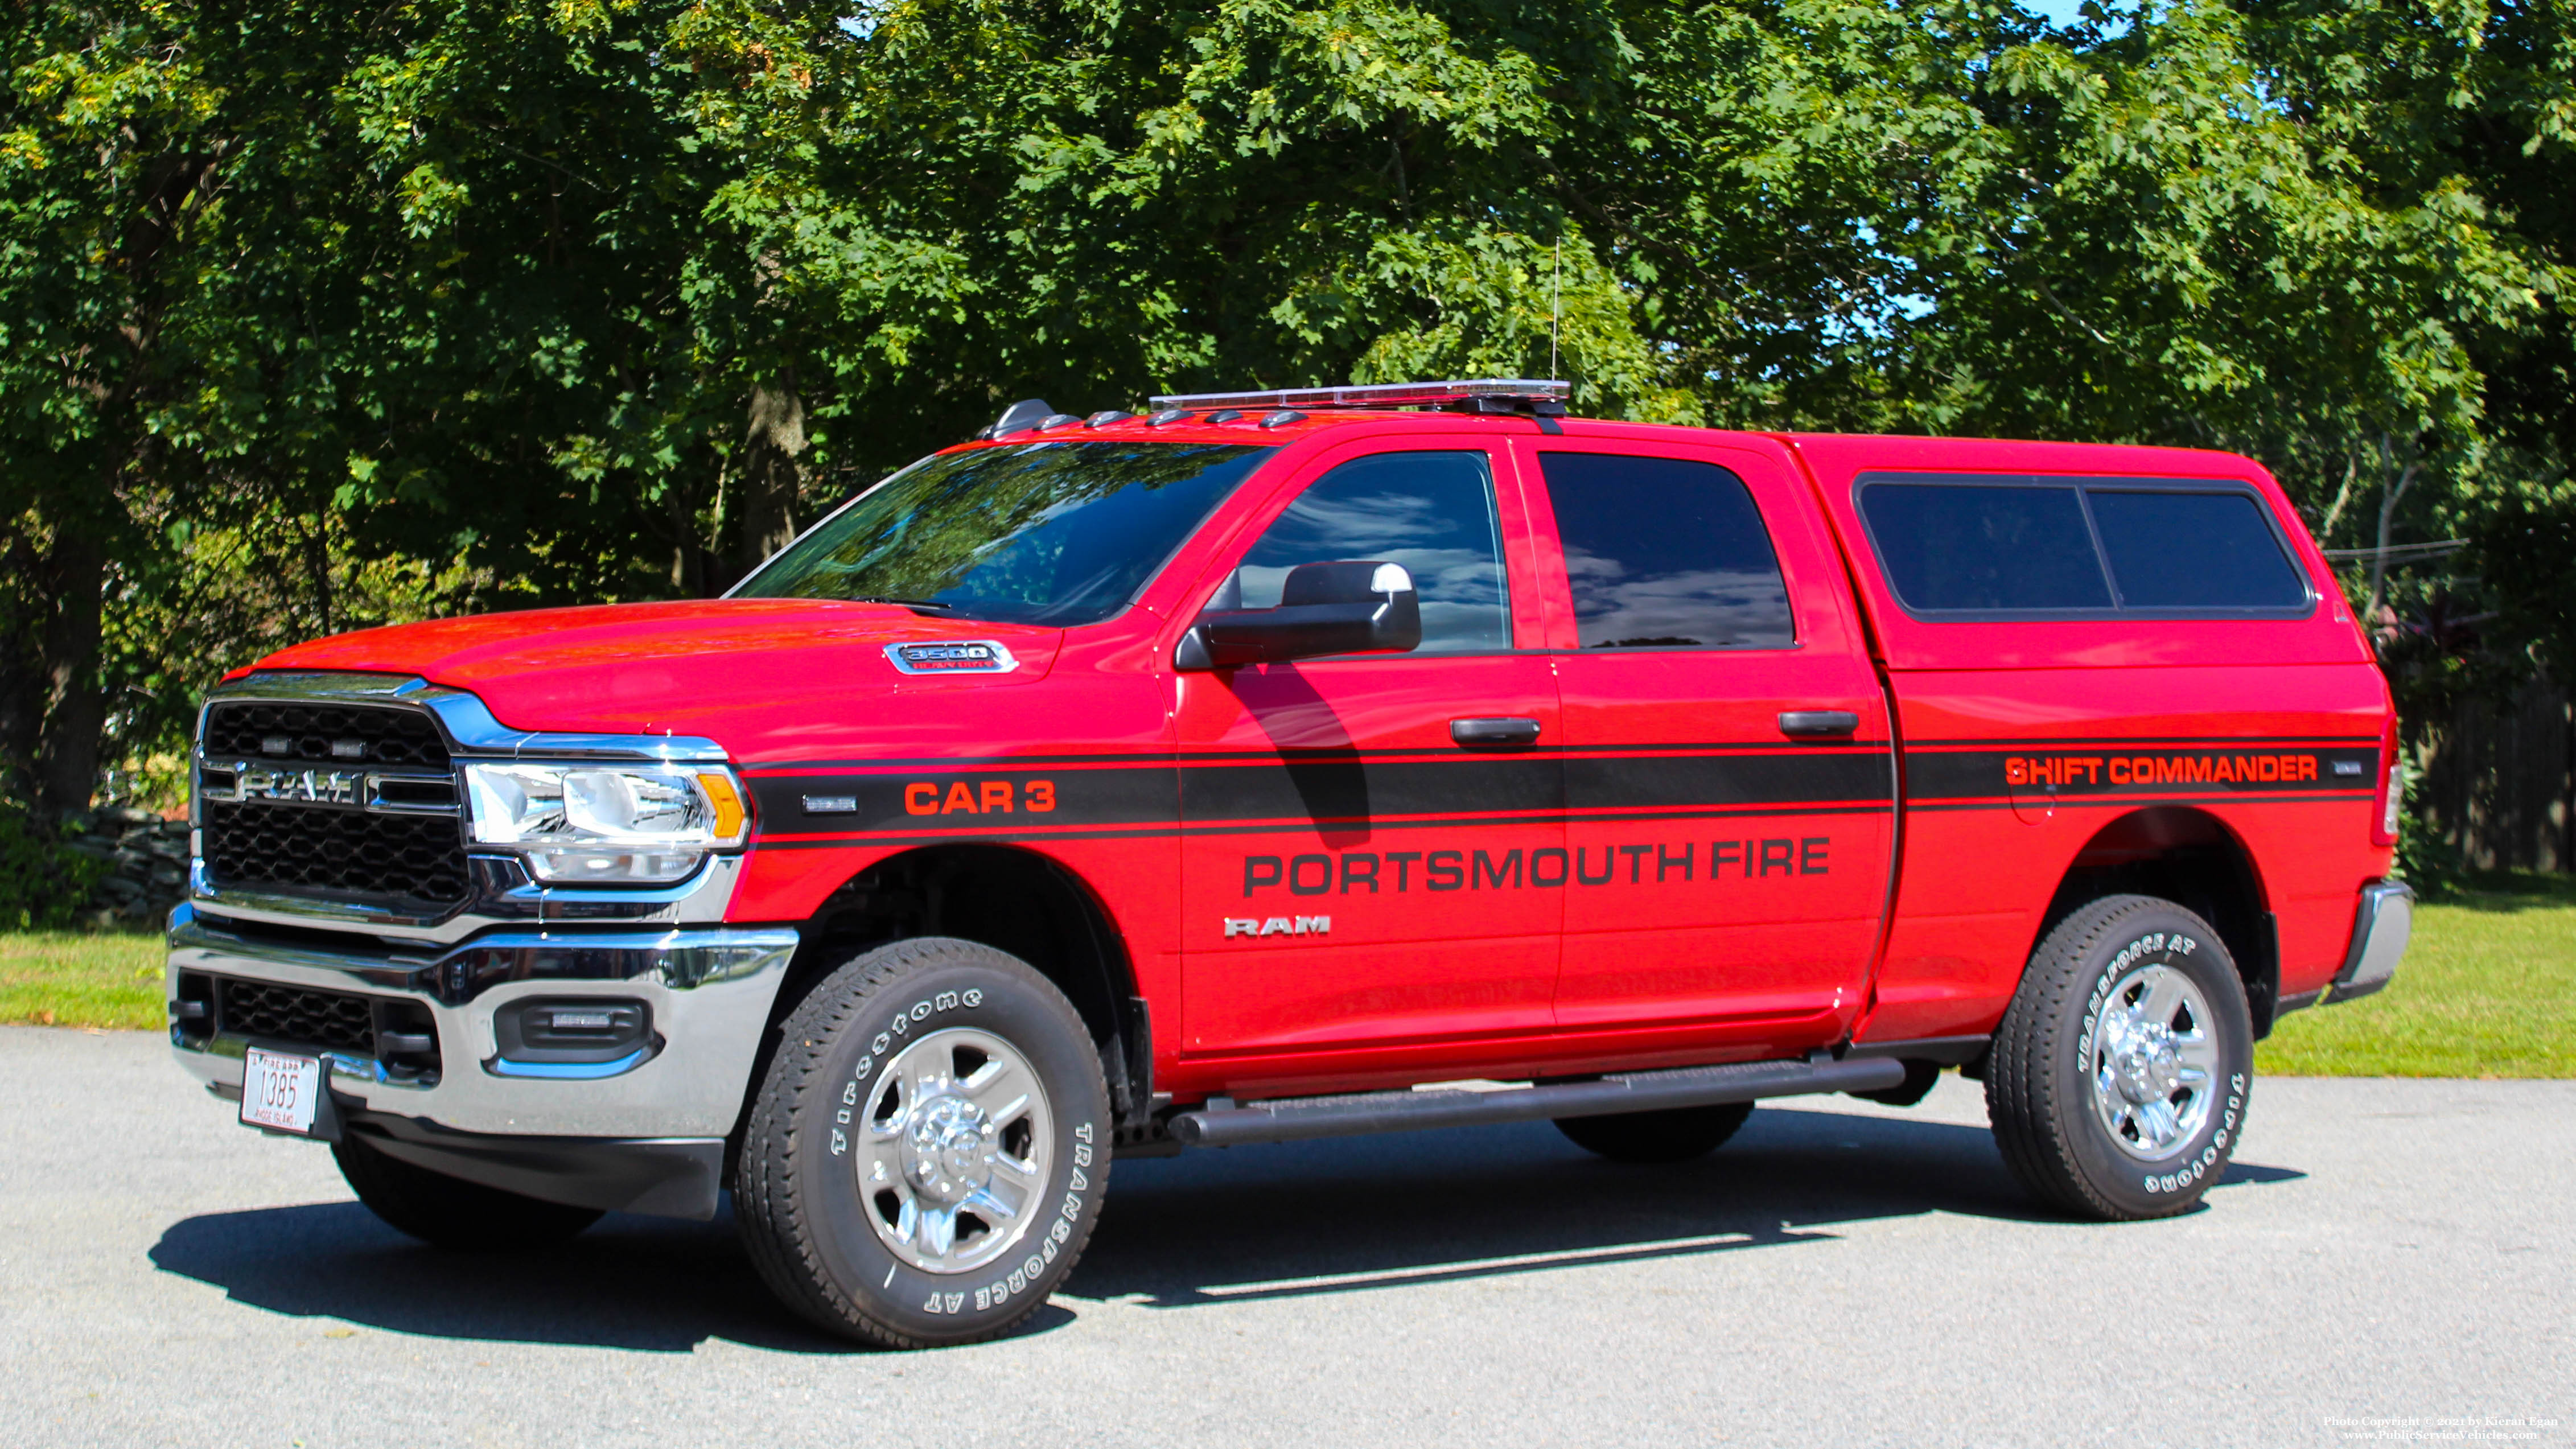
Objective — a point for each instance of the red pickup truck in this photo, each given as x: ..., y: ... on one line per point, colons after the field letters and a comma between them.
x: 1282, y: 765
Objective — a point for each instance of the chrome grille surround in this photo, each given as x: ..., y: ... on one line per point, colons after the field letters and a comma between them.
x: 467, y: 891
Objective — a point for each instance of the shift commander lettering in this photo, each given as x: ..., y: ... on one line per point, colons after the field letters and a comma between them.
x: 1402, y: 871
x: 2195, y: 769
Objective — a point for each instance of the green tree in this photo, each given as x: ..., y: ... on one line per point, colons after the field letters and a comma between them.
x: 320, y: 317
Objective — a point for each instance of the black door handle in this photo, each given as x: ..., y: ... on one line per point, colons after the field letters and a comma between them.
x: 1818, y: 722
x: 1504, y: 731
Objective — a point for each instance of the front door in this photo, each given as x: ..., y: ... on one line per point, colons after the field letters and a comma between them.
x: 1728, y: 774
x: 1360, y: 887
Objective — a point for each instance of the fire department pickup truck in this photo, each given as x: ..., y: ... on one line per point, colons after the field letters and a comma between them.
x: 1283, y: 765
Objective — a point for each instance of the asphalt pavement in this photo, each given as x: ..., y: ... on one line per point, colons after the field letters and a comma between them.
x: 2389, y: 1261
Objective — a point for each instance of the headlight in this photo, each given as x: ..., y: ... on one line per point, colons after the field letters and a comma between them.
x: 625, y: 824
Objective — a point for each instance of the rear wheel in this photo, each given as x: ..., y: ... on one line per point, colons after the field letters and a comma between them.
x: 2118, y: 1080
x: 927, y: 1155
x: 1675, y: 1134
x: 449, y: 1211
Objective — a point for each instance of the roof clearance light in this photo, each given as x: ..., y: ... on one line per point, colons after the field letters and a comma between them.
x: 1027, y: 413
x: 1525, y: 393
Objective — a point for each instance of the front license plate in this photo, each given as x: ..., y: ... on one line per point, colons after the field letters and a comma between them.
x: 279, y: 1091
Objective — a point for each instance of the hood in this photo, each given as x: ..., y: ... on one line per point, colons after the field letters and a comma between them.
x: 732, y: 670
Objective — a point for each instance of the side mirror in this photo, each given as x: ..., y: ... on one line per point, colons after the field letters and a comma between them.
x: 1324, y: 608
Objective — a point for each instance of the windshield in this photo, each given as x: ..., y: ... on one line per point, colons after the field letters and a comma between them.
x: 1048, y: 533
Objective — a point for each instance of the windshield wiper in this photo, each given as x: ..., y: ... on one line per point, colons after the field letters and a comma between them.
x: 891, y: 599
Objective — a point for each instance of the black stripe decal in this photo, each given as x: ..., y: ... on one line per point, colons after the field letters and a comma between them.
x: 1321, y: 827
x: 1355, y: 788
x: 1592, y: 784
x: 2127, y: 770
x: 1318, y: 787
x: 1085, y: 798
x: 1186, y: 758
x: 2131, y: 802
x: 2097, y: 743
x: 803, y: 804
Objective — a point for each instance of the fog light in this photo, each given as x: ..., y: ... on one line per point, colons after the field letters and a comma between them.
x: 576, y: 1032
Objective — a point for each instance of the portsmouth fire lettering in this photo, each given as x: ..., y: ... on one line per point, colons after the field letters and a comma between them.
x: 1400, y: 872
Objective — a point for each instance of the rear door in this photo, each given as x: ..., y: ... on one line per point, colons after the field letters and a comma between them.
x: 1730, y: 788
x: 1356, y: 879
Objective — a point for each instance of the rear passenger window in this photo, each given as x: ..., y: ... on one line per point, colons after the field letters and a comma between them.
x: 2194, y: 551
x: 1966, y: 548
x: 1979, y: 546
x: 1663, y: 553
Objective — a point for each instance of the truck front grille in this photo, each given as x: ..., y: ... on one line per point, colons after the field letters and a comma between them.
x: 295, y: 1016
x: 401, y: 1035
x: 409, y: 852
x: 322, y: 733
x: 259, y: 845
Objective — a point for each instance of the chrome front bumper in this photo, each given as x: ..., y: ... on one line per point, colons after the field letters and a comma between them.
x: 709, y: 990
x: 2381, y: 925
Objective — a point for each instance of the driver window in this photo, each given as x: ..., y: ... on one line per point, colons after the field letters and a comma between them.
x: 1431, y: 512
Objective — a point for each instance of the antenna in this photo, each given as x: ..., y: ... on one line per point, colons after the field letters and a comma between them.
x: 1555, y: 307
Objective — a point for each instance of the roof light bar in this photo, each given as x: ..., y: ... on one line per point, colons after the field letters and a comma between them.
x: 1381, y: 395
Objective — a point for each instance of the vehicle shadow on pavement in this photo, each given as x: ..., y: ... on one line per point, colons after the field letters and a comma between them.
x: 1332, y: 1217
x: 652, y: 1284
x: 1207, y: 1227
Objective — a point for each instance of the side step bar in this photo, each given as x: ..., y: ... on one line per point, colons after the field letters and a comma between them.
x: 1291, y: 1119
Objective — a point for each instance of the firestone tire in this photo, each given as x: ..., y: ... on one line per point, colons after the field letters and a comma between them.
x: 450, y: 1212
x: 926, y: 1157
x: 2119, y: 1075
x: 1675, y: 1134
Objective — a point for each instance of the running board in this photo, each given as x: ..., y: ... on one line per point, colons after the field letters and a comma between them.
x: 1291, y: 1119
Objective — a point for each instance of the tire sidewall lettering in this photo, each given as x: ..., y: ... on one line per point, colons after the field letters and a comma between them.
x: 951, y: 995
x: 2147, y: 948
x: 1014, y: 1279
x: 2155, y: 1186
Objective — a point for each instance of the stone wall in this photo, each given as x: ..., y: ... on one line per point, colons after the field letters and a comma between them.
x: 147, y: 859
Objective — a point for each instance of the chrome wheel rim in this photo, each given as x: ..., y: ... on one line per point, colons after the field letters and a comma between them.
x: 956, y: 1148
x: 2155, y: 1064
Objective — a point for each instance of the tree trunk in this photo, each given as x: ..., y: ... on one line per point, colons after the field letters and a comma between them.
x: 75, y: 706
x: 22, y: 669
x: 771, y: 473
x: 2391, y: 491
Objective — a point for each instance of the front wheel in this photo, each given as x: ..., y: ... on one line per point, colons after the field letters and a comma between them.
x: 2119, y: 1075
x: 927, y: 1154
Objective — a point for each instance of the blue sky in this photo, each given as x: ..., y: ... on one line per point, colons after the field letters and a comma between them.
x: 2060, y: 11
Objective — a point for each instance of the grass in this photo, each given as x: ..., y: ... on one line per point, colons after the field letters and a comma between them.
x: 2488, y: 989
x: 69, y: 978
